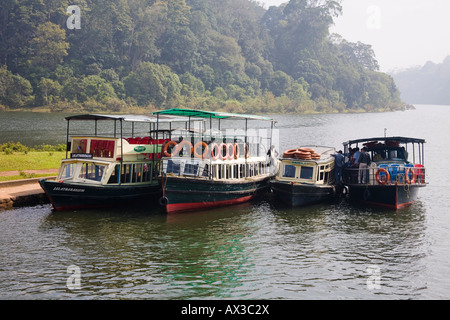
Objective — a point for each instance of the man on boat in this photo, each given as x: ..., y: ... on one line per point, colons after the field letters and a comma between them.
x: 364, y: 161
x: 339, y: 162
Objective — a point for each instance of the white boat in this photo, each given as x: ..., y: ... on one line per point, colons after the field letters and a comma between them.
x: 109, y: 168
x: 305, y: 176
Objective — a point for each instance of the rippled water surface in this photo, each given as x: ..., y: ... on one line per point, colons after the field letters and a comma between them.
x: 257, y: 250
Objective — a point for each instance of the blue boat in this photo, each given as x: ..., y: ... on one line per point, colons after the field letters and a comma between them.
x: 394, y: 176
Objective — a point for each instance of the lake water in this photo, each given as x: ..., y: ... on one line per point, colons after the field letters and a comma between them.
x: 251, y: 251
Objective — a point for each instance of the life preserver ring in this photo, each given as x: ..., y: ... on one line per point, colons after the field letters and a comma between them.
x: 236, y: 150
x: 307, y: 150
x: 204, y: 146
x: 166, y: 147
x: 413, y: 177
x: 289, y: 153
x: 377, y: 176
x: 246, y: 151
x: 230, y: 151
x: 215, y: 151
x: 180, y: 146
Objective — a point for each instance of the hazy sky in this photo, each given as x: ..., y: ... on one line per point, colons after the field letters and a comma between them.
x: 403, y: 33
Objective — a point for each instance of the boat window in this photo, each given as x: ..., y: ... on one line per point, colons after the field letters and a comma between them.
x: 91, y: 171
x: 289, y: 171
x: 205, y: 172
x: 114, y: 178
x: 67, y: 171
x: 126, y: 173
x: 137, y: 172
x: 191, y: 169
x: 306, y: 173
x: 214, y: 171
x: 173, y: 167
x: 79, y: 146
x: 146, y: 172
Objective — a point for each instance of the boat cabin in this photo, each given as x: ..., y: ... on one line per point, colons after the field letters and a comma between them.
x: 308, y: 171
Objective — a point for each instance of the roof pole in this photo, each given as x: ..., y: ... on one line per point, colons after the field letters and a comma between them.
x: 67, y: 139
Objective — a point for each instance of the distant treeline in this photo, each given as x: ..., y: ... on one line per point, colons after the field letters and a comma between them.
x: 428, y: 84
x: 142, y: 55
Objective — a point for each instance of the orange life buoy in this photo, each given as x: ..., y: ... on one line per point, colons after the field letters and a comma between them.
x: 413, y: 178
x: 204, y: 146
x: 222, y: 154
x: 377, y: 176
x: 180, y: 146
x: 289, y: 153
x: 215, y: 151
x: 246, y: 151
x: 307, y: 150
x: 230, y: 151
x: 166, y: 148
x: 236, y: 150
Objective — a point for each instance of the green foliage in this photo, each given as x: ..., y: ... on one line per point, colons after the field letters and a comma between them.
x: 141, y: 55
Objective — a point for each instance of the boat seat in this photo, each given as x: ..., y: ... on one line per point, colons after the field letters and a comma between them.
x: 420, y: 173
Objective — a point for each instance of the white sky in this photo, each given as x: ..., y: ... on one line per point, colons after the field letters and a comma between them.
x: 403, y: 33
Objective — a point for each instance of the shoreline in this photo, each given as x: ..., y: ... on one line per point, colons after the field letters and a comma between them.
x: 21, y: 193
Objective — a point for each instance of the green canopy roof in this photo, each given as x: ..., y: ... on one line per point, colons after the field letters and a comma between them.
x: 209, y: 114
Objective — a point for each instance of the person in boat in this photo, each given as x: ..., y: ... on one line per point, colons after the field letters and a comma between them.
x: 339, y: 162
x: 378, y: 157
x: 356, y: 155
x: 363, y: 165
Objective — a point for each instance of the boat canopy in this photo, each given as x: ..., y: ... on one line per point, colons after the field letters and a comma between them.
x: 127, y: 118
x: 398, y: 139
x: 209, y: 114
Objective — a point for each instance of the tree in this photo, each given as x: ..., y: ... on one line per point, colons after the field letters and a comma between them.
x: 48, y: 91
x: 15, y: 91
x: 49, y: 45
x: 152, y: 83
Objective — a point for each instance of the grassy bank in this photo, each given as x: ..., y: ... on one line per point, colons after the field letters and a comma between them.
x: 16, y: 157
x: 20, y: 161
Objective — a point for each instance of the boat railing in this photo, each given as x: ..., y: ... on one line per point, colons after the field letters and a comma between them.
x: 217, y: 170
x: 384, y: 174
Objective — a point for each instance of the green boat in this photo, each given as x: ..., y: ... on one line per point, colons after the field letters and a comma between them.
x: 212, y: 166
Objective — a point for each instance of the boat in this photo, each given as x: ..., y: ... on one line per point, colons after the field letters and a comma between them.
x: 119, y: 166
x: 305, y: 176
x: 394, y: 176
x: 216, y: 166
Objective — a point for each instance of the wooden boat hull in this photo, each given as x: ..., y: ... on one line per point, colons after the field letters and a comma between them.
x: 388, y: 196
x: 72, y: 196
x: 186, y: 194
x: 297, y: 195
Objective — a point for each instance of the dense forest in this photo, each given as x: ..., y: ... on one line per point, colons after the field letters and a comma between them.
x: 428, y: 84
x: 142, y: 55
